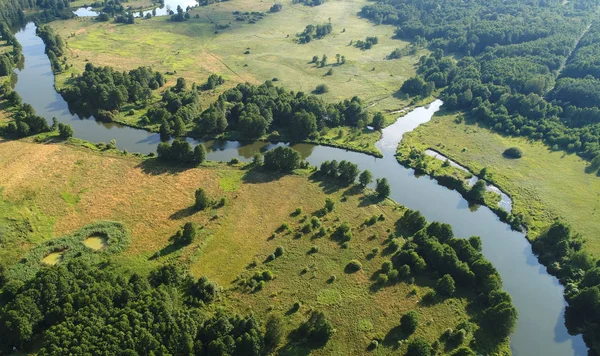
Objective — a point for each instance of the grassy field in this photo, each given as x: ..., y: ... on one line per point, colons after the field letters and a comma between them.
x: 543, y: 184
x: 58, y: 188
x: 195, y: 49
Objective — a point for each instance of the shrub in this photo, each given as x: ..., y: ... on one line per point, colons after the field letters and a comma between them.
x: 418, y: 347
x: 202, y: 201
x: 382, y: 279
x: 409, y: 322
x: 297, y: 305
x: 513, y: 152
x: 314, y: 249
x: 343, y: 232
x: 317, y: 329
x: 386, y: 266
x: 446, y: 286
x: 353, y: 266
x: 321, y: 89
x: 404, y: 271
x: 65, y: 131
x: 329, y: 205
x: 315, y: 222
x: 373, y: 344
x: 279, y: 251
x: 307, y: 228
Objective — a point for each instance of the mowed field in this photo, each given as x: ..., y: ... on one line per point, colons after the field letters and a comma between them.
x: 544, y: 184
x: 196, y: 48
x: 49, y: 190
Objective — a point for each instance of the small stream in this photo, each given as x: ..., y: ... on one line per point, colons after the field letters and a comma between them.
x: 537, y: 295
x: 505, y: 201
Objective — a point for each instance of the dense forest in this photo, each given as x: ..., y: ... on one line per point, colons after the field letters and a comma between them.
x: 522, y: 68
x: 112, y: 313
x: 511, y: 54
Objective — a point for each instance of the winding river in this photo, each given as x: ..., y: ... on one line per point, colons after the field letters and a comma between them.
x: 537, y: 295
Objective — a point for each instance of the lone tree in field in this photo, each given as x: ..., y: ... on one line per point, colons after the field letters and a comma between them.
x: 365, y: 178
x: 409, y: 322
x: 383, y: 188
x: 202, y: 201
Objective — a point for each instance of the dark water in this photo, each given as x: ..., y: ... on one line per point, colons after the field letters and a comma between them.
x: 537, y: 295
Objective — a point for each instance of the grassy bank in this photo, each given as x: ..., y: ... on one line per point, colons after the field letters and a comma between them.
x: 544, y: 184
x: 66, y: 186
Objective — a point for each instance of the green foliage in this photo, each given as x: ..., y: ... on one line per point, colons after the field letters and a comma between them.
x: 202, y: 200
x: 478, y: 191
x: 365, y: 178
x: 187, y: 234
x: 57, y: 304
x: 418, y: 347
x: 282, y: 159
x: 274, y: 332
x: 321, y: 89
x: 65, y: 131
x: 446, y: 286
x: 329, y: 205
x: 383, y: 188
x: 343, y: 233
x: 353, y: 266
x: 412, y: 221
x: 102, y: 88
x: 409, y: 322
x: 72, y: 247
x: 317, y: 330
x: 513, y: 152
x: 279, y: 251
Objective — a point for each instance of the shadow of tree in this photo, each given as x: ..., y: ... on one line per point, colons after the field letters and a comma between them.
x: 155, y: 166
x: 259, y: 175
x: 165, y: 251
x: 183, y: 213
x: 393, y: 336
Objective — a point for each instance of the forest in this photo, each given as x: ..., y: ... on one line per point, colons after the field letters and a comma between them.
x: 510, y: 74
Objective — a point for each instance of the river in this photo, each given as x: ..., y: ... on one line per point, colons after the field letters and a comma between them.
x: 537, y: 296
